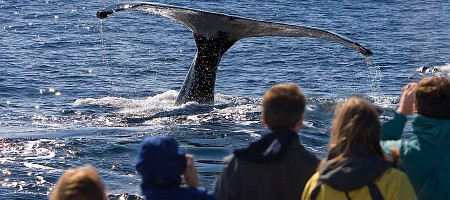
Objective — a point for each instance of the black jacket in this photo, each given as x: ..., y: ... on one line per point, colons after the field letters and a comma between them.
x: 280, y: 177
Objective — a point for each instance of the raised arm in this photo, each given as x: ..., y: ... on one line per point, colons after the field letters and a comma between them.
x: 393, y: 129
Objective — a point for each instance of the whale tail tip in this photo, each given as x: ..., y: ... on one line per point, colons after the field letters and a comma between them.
x: 102, y: 14
x: 366, y: 52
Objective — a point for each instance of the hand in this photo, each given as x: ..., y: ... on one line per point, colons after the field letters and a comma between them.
x: 395, y: 155
x: 407, y: 99
x: 190, y: 175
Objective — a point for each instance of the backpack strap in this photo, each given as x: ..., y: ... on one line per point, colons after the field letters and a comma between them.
x: 375, y: 192
x: 347, y: 195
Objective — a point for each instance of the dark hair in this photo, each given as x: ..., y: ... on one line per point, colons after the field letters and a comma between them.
x: 283, y: 105
x: 433, y: 97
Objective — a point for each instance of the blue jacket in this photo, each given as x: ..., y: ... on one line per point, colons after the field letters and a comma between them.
x: 425, y: 158
x: 161, y: 164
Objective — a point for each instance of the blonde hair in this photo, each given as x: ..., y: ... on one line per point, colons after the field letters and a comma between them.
x: 283, y: 105
x: 81, y: 183
x: 433, y: 97
x: 355, y: 124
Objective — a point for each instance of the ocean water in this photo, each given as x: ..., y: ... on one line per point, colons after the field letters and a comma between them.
x: 69, y: 82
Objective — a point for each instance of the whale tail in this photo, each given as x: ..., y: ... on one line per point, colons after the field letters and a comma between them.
x: 209, y: 24
x: 214, y: 34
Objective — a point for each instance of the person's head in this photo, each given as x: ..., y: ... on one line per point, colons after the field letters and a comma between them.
x: 356, y: 125
x: 283, y: 106
x: 433, y: 97
x: 81, y: 183
x: 160, y: 162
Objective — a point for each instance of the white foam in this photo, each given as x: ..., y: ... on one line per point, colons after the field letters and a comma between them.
x: 444, y: 69
x: 165, y: 102
x: 151, y: 105
x: 37, y: 166
x: 440, y: 70
x: 386, y: 102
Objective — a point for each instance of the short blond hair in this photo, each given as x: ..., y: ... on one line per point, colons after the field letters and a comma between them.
x: 81, y: 183
x: 283, y: 105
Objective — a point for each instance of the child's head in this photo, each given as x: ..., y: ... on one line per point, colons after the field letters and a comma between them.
x: 355, y: 125
x: 79, y: 184
x: 433, y: 97
x: 160, y: 162
x: 283, y: 106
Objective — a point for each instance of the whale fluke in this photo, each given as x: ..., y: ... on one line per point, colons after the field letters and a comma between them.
x: 214, y: 34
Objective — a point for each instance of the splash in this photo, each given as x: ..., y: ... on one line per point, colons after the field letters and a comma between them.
x: 439, y: 70
x: 151, y: 105
x: 29, y: 150
x: 102, y: 41
x: 374, y: 77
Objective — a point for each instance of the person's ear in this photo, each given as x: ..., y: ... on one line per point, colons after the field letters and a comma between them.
x: 263, y: 120
x: 299, y: 123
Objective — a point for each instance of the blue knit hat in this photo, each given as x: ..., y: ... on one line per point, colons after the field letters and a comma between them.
x: 160, y: 162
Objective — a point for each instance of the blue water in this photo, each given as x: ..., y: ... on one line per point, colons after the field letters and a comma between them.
x: 69, y: 81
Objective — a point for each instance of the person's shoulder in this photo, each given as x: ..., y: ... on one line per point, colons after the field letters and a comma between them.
x: 315, y: 177
x: 228, y: 159
x: 205, y: 194
x: 305, y: 154
x: 393, y: 175
x: 313, y: 180
x: 394, y: 172
x: 310, y: 185
x: 233, y: 163
x: 198, y: 193
x: 397, y: 184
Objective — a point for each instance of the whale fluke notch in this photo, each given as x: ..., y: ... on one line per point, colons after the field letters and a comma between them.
x: 214, y: 34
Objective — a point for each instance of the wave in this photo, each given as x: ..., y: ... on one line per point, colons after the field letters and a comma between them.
x: 160, y: 109
x: 151, y: 105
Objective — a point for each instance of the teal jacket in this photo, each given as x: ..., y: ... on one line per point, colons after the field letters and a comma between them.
x: 425, y: 158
